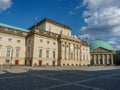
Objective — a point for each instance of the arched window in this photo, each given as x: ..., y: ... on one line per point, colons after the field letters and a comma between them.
x: 53, y: 54
x: 83, y: 57
x: 40, y: 52
x: 86, y: 57
x: 17, y: 52
x: 8, y: 51
x: 47, y: 54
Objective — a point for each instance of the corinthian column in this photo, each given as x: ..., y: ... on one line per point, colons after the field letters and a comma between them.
x: 112, y: 62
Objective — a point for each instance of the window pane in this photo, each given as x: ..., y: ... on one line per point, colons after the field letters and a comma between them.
x: 17, y: 52
x: 8, y: 52
x: 0, y: 50
x: 48, y: 42
x: 71, y: 55
x: 9, y: 39
x: 28, y: 51
x: 40, y: 53
x: 53, y: 54
x: 47, y: 54
x: 41, y: 40
x: 29, y: 41
x: 54, y: 43
x: 0, y: 38
x: 18, y: 41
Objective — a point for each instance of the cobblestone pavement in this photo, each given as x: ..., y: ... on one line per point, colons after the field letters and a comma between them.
x: 60, y: 78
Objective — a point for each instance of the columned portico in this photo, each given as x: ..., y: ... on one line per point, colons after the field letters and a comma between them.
x: 101, y: 53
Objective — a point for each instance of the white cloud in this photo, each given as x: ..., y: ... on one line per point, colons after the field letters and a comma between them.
x: 103, y: 19
x: 85, y: 36
x: 78, y: 7
x: 112, y: 42
x: 5, y: 4
x: 71, y: 12
x: 117, y: 47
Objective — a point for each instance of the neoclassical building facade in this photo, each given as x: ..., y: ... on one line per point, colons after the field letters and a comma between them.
x: 45, y: 43
x: 12, y: 45
x: 101, y: 53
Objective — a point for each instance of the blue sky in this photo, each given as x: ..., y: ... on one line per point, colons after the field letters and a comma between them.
x: 95, y: 19
x: 23, y: 12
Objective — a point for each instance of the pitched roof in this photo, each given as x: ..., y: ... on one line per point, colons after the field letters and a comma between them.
x: 13, y: 27
x: 51, y: 21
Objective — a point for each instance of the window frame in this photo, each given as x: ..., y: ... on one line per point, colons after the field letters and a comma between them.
x: 0, y: 38
x: 54, y: 54
x: 47, y: 53
x: 17, y: 52
x: 41, y: 40
x: 8, y: 52
x: 9, y: 39
x: 18, y: 41
x: 40, y: 52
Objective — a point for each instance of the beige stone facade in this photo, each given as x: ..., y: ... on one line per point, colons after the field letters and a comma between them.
x: 71, y: 51
x: 46, y: 43
x: 12, y: 46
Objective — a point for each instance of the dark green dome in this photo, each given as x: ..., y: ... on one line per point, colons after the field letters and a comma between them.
x: 100, y: 43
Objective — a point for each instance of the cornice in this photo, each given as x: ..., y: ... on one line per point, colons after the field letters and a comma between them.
x: 43, y: 33
x: 72, y: 39
x: 13, y: 32
x: 50, y: 21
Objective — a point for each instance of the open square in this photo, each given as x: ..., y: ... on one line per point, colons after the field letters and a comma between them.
x: 60, y: 78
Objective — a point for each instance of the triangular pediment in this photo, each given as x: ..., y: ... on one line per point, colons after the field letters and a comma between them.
x: 100, y: 49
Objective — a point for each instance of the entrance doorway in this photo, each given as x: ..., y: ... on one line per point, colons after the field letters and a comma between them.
x: 110, y: 62
x: 101, y: 62
x: 40, y: 62
x: 16, y: 62
x: 53, y: 63
x: 96, y: 61
x: 92, y: 62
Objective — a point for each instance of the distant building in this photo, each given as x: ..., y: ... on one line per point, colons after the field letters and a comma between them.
x: 46, y: 43
x: 101, y: 53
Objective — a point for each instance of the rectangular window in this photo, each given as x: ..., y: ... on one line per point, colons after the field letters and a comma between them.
x: 0, y: 50
x: 83, y: 57
x: 7, y: 61
x: 41, y: 40
x: 17, y: 52
x: 71, y: 55
x: 0, y: 38
x: 40, y: 53
x: 86, y: 57
x: 83, y: 48
x: 48, y: 42
x: 18, y: 41
x: 54, y: 54
x: 9, y: 39
x: 49, y: 28
x: 47, y: 54
x: 29, y: 41
x: 54, y: 43
x: 8, y: 52
x: 28, y: 51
